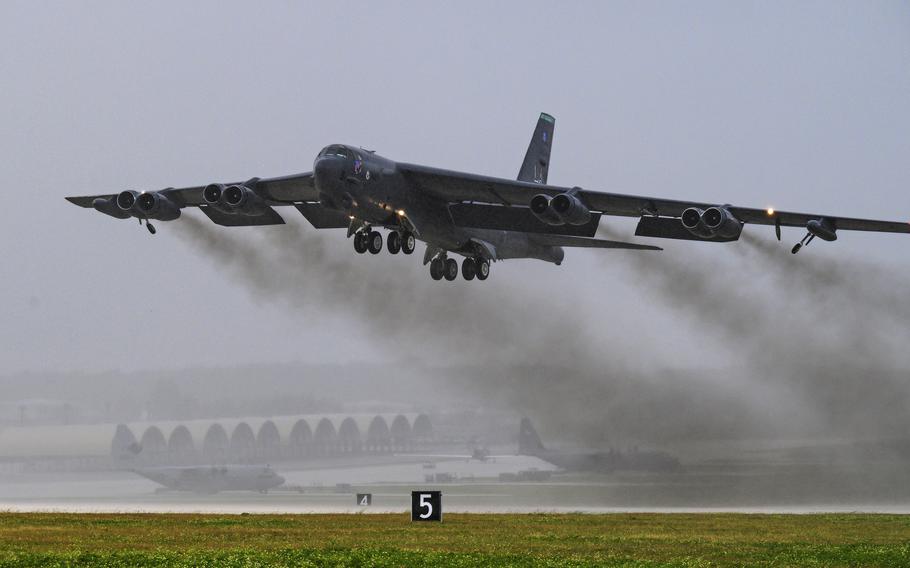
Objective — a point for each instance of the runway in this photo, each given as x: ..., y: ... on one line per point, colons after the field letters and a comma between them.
x: 474, y: 487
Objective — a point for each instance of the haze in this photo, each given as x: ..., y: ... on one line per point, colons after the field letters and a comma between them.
x: 801, y: 106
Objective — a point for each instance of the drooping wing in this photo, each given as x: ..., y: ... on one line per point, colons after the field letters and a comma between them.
x: 455, y: 187
x: 277, y: 191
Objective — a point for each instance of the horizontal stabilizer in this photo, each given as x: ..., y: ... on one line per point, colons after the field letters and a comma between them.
x: 582, y: 242
x: 519, y: 219
x: 269, y: 217
x: 322, y: 218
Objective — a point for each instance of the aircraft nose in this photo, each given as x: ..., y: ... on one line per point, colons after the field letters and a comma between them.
x: 328, y: 169
x: 279, y: 480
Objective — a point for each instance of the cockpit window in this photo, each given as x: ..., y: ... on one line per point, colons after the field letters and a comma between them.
x: 336, y: 150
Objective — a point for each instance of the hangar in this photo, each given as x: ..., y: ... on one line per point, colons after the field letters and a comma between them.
x: 237, y: 440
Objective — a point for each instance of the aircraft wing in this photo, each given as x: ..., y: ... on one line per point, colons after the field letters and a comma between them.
x: 457, y: 187
x: 284, y: 190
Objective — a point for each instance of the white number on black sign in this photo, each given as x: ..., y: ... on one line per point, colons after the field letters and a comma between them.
x: 364, y: 499
x: 426, y: 505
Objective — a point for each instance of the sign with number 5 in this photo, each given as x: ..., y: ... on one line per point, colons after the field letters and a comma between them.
x: 426, y: 505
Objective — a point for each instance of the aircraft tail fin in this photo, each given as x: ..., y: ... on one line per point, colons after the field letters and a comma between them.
x: 537, y: 159
x: 528, y: 441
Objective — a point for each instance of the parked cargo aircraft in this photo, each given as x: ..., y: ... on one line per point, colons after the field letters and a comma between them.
x: 214, y: 479
x: 484, y: 219
x: 529, y: 444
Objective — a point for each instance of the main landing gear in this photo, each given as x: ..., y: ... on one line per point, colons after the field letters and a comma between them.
x: 368, y: 240
x: 442, y: 267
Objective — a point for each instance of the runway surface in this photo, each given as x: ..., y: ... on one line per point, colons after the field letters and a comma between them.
x: 318, y: 487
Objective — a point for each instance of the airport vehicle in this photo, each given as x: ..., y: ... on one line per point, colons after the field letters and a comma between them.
x: 529, y: 444
x: 214, y: 479
x: 483, y: 219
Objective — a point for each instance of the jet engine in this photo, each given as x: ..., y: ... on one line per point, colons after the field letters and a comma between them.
x: 126, y: 200
x: 712, y: 222
x: 236, y: 199
x: 720, y: 222
x: 212, y: 194
x: 155, y: 205
x: 543, y: 210
x: 570, y: 209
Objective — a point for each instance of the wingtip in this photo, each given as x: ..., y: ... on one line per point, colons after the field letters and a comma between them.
x: 547, y: 117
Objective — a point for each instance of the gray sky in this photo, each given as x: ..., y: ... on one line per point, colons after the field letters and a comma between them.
x: 800, y: 105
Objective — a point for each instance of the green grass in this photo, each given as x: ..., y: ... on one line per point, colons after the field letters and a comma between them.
x: 47, y: 539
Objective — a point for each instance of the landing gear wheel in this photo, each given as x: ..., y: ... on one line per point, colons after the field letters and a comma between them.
x: 451, y: 269
x: 374, y: 242
x: 483, y: 269
x: 408, y: 243
x: 437, y: 267
x: 360, y: 243
x: 393, y: 242
x: 468, y: 268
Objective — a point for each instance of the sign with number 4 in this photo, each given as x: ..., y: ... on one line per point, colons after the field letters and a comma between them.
x: 426, y: 505
x: 364, y: 499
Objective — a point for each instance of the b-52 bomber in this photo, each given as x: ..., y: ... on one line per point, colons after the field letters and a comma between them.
x: 483, y: 219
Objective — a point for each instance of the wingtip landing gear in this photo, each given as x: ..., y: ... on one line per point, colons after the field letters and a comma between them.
x: 805, y: 242
x: 151, y: 228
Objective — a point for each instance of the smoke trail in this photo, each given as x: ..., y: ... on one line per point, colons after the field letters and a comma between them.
x: 852, y: 279
x: 493, y: 327
x: 842, y: 367
x: 564, y: 374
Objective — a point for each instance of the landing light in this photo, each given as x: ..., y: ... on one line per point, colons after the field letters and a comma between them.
x: 400, y: 212
x: 770, y: 211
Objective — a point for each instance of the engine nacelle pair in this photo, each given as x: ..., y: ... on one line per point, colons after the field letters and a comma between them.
x: 145, y: 205
x: 564, y: 209
x: 712, y: 222
x: 233, y: 199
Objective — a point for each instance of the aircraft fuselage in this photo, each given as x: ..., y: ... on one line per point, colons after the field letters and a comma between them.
x: 371, y: 190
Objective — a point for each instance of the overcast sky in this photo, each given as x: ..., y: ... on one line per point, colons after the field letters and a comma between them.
x: 798, y: 105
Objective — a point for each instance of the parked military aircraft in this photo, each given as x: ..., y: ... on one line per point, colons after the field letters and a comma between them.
x: 484, y: 219
x: 214, y: 479
x: 529, y: 444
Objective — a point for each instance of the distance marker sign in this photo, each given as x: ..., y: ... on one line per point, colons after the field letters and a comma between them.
x: 365, y: 499
x: 426, y: 506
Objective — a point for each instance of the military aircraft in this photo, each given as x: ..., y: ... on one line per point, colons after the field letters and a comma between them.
x: 529, y: 444
x: 483, y: 219
x: 214, y: 479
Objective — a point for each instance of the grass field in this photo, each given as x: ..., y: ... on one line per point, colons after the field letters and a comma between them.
x: 44, y: 539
